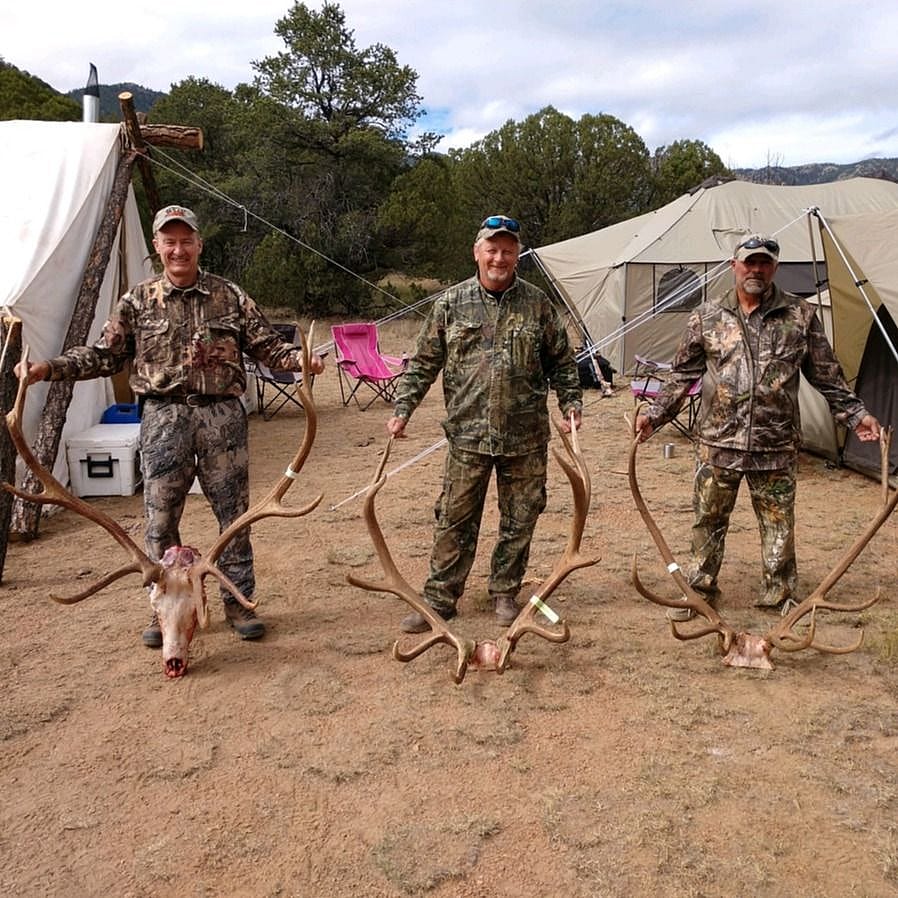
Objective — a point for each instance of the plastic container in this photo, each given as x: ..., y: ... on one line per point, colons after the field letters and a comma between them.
x: 104, y: 460
x: 121, y: 413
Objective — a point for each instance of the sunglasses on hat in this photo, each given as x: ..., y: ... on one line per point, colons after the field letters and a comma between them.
x: 500, y: 221
x: 757, y: 243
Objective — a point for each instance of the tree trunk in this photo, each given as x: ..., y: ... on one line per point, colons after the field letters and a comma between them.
x: 11, y: 336
x: 26, y: 515
x: 179, y: 136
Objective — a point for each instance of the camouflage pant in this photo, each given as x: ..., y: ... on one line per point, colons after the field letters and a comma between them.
x: 179, y: 441
x: 773, y: 500
x: 521, y: 488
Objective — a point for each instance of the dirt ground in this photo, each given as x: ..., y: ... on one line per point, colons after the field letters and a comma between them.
x: 622, y: 763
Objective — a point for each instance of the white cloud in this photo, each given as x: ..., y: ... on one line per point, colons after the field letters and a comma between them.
x: 800, y: 82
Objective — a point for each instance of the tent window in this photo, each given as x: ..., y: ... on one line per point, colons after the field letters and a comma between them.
x: 679, y: 290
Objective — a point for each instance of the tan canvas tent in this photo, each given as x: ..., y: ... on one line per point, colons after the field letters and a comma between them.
x: 55, y: 179
x: 862, y: 261
x: 632, y: 284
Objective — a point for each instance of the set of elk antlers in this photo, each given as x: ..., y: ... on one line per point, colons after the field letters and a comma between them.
x: 176, y: 581
x: 743, y: 649
x: 473, y: 654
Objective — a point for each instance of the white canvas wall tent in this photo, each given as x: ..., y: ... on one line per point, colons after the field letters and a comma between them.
x: 632, y: 285
x: 55, y: 180
x: 862, y: 262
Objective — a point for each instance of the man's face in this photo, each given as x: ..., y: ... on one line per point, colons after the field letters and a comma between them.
x: 755, y: 274
x: 179, y: 247
x: 496, y: 259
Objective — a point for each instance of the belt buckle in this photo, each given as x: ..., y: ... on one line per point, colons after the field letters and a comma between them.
x: 195, y: 400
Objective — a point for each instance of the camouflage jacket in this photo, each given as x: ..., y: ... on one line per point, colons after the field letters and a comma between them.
x: 181, y: 341
x: 751, y: 374
x: 498, y: 361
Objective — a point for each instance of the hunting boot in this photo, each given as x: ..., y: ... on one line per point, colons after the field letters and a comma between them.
x: 152, y: 636
x: 506, y: 610
x: 243, y: 620
x: 417, y: 623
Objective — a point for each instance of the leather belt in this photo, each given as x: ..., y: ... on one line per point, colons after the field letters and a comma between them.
x: 194, y: 400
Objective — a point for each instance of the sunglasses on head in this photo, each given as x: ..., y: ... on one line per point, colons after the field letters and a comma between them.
x: 757, y: 243
x: 500, y: 221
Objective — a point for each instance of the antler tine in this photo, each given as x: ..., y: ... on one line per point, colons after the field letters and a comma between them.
x: 690, y: 598
x: 270, y: 506
x: 55, y: 493
x: 574, y: 466
x: 783, y: 636
x: 396, y: 584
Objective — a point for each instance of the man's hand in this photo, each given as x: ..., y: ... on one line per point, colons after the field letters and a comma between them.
x: 316, y: 363
x: 396, y: 426
x: 36, y: 371
x: 566, y: 421
x: 644, y: 428
x: 868, y: 429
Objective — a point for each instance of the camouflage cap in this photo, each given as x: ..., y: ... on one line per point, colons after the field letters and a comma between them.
x: 499, y: 224
x: 175, y: 213
x: 757, y: 244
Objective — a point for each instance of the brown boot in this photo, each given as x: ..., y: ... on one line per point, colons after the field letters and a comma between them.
x: 417, y: 623
x: 152, y: 636
x: 506, y: 610
x: 243, y: 620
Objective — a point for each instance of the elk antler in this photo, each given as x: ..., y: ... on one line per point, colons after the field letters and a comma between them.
x: 690, y: 598
x: 396, y: 584
x: 55, y: 493
x: 783, y: 636
x: 575, y: 468
x: 270, y: 505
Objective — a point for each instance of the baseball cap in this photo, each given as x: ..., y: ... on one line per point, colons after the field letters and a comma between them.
x: 175, y: 213
x: 499, y: 224
x: 755, y: 244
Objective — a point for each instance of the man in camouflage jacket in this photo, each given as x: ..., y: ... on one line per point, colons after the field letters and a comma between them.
x: 749, y: 347
x: 500, y: 345
x: 185, y: 332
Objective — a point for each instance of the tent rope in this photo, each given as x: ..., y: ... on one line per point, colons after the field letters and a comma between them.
x: 406, y: 464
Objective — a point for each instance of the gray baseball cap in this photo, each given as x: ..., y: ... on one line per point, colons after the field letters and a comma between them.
x: 175, y: 213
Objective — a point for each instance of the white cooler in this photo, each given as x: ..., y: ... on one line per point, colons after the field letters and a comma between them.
x: 104, y: 460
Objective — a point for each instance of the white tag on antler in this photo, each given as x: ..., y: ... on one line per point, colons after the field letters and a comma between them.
x: 291, y: 473
x: 540, y: 605
x: 673, y: 566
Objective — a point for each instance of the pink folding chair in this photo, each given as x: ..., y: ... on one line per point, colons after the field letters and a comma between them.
x: 361, y: 364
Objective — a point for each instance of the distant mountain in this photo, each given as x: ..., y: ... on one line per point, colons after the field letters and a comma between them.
x: 820, y: 172
x: 109, y: 105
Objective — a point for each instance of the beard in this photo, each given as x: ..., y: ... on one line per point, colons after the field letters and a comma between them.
x: 754, y: 286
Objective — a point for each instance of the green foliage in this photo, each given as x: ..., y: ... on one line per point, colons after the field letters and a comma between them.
x: 420, y: 223
x: 560, y: 177
x: 325, y: 77
x: 22, y: 96
x: 682, y: 166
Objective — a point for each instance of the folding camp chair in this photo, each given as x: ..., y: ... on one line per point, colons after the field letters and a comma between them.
x: 275, y: 389
x: 648, y: 379
x: 360, y: 363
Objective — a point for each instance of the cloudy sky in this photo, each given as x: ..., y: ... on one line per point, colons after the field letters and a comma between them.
x: 761, y: 82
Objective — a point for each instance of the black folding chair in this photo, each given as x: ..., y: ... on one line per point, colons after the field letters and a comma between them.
x: 276, y: 389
